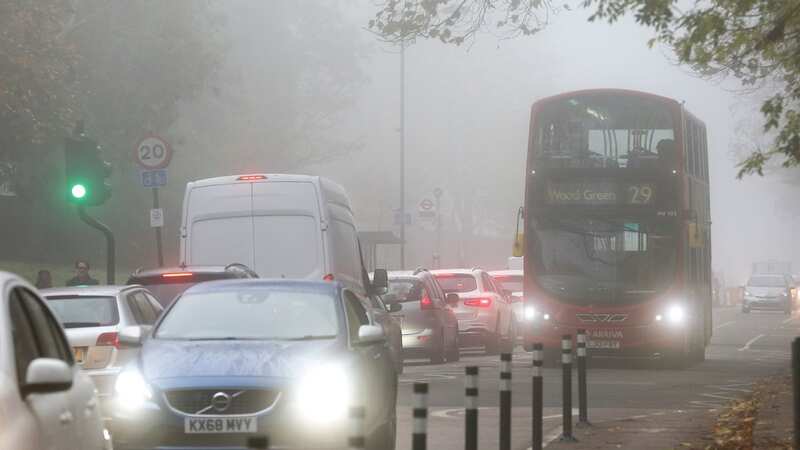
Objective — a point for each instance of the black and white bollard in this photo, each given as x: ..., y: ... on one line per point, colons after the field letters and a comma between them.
x: 471, y: 413
x: 538, y: 399
x: 796, y: 389
x: 356, y: 439
x: 505, y: 401
x: 566, y: 410
x: 583, y: 408
x: 419, y: 438
x: 258, y: 443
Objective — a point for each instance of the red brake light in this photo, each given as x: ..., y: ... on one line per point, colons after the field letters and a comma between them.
x: 176, y: 274
x: 328, y: 277
x: 110, y: 339
x: 251, y: 177
x: 479, y: 302
x: 425, y: 302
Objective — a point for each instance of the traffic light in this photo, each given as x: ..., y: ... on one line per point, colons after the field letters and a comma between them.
x: 86, y: 172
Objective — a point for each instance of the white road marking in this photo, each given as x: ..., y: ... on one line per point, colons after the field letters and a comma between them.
x: 788, y: 320
x: 724, y: 324
x: 751, y: 342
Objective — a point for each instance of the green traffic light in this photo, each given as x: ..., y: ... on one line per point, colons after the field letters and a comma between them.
x: 78, y: 191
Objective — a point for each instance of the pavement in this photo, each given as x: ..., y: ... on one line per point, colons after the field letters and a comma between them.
x: 632, y: 404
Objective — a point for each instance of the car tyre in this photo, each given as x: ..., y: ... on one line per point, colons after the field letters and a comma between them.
x: 438, y: 353
x: 454, y: 354
x: 386, y: 436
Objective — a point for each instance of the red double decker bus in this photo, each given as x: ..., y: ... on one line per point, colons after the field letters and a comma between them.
x: 617, y: 225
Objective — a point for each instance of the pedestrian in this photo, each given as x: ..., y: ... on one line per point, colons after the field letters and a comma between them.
x: 82, y: 277
x: 44, y: 280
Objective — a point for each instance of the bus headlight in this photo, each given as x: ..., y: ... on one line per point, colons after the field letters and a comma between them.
x: 530, y: 313
x: 676, y: 314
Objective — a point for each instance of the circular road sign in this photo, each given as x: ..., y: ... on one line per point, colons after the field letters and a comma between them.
x: 426, y: 205
x: 153, y: 153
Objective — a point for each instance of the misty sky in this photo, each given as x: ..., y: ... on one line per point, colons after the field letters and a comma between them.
x: 471, y: 106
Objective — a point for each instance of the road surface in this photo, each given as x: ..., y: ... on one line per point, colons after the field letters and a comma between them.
x: 745, y: 347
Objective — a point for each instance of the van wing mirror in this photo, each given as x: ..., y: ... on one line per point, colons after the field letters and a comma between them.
x: 380, y: 281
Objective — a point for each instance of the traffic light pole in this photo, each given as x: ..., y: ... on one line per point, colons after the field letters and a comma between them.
x: 159, y: 245
x: 96, y: 224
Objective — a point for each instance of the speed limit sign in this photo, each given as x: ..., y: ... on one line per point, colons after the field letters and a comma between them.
x: 153, y: 153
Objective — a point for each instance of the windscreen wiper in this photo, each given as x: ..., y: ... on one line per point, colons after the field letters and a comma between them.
x: 80, y: 324
x: 310, y: 337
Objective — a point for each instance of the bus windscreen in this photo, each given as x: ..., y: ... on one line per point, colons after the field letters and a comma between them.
x: 586, y: 260
x: 605, y: 130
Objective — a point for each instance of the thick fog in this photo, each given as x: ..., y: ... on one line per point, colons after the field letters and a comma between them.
x: 467, y: 113
x: 303, y: 86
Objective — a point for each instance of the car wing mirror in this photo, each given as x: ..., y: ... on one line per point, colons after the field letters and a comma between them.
x: 370, y: 335
x: 134, y: 336
x: 46, y: 375
x: 452, y: 299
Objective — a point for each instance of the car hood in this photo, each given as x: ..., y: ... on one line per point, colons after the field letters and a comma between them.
x: 171, y: 359
x: 761, y: 291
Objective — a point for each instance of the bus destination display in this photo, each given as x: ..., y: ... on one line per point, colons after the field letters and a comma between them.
x: 599, y: 193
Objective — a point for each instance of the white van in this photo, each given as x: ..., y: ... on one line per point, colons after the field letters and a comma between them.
x: 281, y: 226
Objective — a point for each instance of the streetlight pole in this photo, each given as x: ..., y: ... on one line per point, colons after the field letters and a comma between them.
x: 402, y: 155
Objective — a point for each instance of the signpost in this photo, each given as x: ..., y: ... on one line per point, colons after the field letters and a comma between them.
x: 153, y: 154
x: 437, y: 258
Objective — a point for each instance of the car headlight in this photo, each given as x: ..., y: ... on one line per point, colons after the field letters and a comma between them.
x: 530, y: 313
x: 131, y: 389
x: 676, y: 314
x: 324, y: 394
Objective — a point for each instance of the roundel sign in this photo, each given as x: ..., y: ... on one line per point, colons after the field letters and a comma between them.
x: 153, y: 153
x: 426, y: 205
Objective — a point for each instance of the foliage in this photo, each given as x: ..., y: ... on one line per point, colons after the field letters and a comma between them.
x: 755, y: 41
x: 37, y: 89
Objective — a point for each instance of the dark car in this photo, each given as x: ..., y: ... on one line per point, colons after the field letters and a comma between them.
x: 233, y: 359
x: 429, y: 325
x: 168, y: 283
x: 769, y: 291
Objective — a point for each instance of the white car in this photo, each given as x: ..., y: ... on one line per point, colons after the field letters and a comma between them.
x: 511, y: 282
x: 483, y: 311
x: 92, y: 317
x: 46, y: 401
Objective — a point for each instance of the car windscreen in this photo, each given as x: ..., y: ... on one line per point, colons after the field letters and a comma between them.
x: 511, y: 283
x: 457, y: 282
x: 84, y: 311
x: 251, y: 313
x: 403, y: 290
x: 767, y: 282
x: 165, y: 287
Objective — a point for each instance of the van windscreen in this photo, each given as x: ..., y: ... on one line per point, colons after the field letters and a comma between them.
x: 286, y: 246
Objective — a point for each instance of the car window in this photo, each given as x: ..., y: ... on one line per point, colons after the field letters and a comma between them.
x: 457, y: 282
x: 149, y: 314
x: 356, y: 314
x: 52, y: 343
x: 487, y: 283
x: 25, y: 347
x: 134, y: 307
x: 154, y: 304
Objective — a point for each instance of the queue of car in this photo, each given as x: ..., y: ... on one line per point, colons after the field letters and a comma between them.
x: 206, y: 353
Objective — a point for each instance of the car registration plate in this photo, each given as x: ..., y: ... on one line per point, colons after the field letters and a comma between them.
x: 79, y: 353
x: 612, y: 345
x: 209, y: 425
